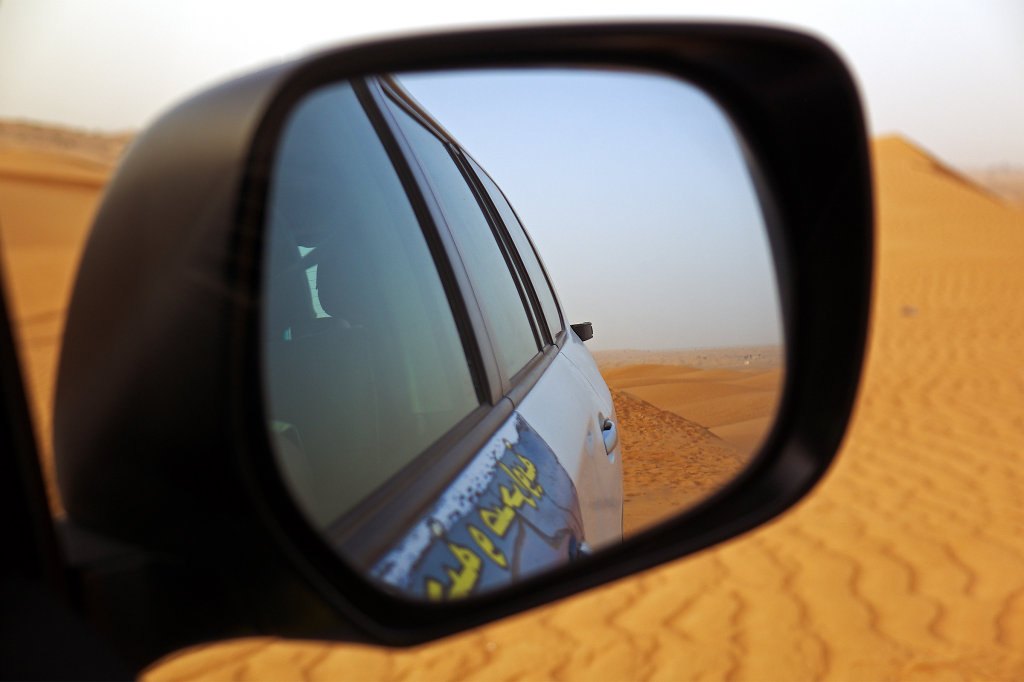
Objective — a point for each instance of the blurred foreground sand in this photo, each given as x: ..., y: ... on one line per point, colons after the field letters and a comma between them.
x: 906, y: 563
x: 50, y: 184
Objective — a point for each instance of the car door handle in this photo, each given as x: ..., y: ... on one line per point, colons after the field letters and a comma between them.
x: 610, y: 435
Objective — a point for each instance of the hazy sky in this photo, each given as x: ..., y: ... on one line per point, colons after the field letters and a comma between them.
x: 636, y: 194
x: 950, y: 75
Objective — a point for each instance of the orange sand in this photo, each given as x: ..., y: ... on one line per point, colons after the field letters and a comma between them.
x: 686, y: 431
x: 50, y: 184
x: 906, y: 563
x: 1006, y: 182
x: 669, y: 463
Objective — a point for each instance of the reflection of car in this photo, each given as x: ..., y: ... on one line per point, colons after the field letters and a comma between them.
x: 178, y: 527
x: 409, y: 319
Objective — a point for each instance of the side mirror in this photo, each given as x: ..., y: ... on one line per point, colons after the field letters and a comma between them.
x: 584, y: 330
x: 317, y: 381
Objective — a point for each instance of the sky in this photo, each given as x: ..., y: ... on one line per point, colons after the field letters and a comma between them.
x: 636, y: 194
x: 950, y: 76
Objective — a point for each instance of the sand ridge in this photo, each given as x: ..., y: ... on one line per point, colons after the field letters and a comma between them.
x: 737, y: 405
x: 48, y: 195
x: 669, y: 463
x: 1005, y: 181
x: 70, y: 144
x: 742, y: 357
x: 686, y: 432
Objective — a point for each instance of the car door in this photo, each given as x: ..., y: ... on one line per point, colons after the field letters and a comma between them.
x: 522, y: 321
x: 183, y: 485
x: 570, y: 405
x: 404, y: 331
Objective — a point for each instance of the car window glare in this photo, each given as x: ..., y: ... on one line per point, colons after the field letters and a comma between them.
x: 499, y: 296
x: 526, y: 251
x: 364, y: 364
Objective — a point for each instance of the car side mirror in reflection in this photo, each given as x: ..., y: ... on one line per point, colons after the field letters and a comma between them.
x: 349, y: 266
x: 584, y: 330
x: 325, y: 370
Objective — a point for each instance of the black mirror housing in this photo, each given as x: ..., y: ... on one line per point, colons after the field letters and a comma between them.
x: 161, y: 449
x: 584, y: 330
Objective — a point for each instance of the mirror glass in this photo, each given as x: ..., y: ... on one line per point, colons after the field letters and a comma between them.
x: 436, y: 245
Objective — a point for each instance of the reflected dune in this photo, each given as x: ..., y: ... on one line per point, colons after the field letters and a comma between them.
x: 686, y: 431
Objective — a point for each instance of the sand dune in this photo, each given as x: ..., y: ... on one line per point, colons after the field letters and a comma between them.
x: 747, y: 357
x: 49, y: 191
x: 686, y: 432
x: 739, y: 403
x: 669, y: 463
x: 906, y: 563
x: 72, y: 145
x: 748, y: 434
x: 639, y: 374
x: 50, y: 167
x: 1005, y: 181
x: 766, y: 381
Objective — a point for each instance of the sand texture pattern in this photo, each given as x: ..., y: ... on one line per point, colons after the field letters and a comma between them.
x: 686, y: 432
x: 669, y: 463
x: 907, y: 562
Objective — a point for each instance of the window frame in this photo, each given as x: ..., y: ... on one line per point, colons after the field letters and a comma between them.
x: 369, y: 527
x: 393, y: 97
x: 374, y: 523
x: 554, y: 337
x: 513, y: 260
x: 454, y: 278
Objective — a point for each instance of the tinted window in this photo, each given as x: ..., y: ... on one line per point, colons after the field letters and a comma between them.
x: 364, y: 364
x: 497, y: 291
x: 525, y: 248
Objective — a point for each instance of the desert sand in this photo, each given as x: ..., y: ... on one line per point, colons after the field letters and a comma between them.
x: 687, y: 431
x: 907, y: 562
x: 50, y: 184
x: 1006, y: 182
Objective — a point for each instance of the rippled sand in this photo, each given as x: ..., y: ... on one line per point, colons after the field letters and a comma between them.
x: 907, y: 562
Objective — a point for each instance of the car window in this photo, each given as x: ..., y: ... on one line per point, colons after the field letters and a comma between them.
x: 364, y: 364
x: 525, y: 249
x: 498, y: 294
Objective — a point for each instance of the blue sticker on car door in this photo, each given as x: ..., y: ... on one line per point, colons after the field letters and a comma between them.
x: 512, y: 512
